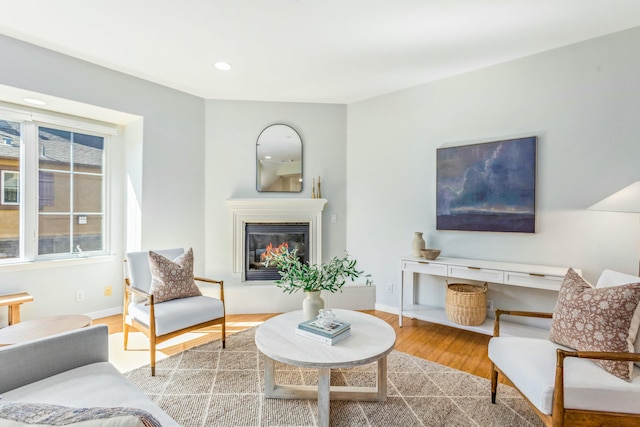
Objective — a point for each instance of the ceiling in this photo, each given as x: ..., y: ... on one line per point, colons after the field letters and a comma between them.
x: 327, y: 51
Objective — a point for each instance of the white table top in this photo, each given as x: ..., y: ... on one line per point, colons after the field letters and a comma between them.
x: 371, y: 338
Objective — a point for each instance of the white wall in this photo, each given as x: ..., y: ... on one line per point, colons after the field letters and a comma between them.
x: 232, y: 128
x: 169, y: 187
x: 582, y: 103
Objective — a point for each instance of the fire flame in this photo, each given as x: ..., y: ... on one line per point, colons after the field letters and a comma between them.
x: 270, y: 249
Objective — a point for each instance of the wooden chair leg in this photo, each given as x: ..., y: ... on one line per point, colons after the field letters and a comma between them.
x: 224, y: 334
x: 494, y: 383
x: 125, y: 334
x: 152, y: 351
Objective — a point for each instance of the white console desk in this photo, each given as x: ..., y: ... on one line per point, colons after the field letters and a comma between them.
x: 502, y: 273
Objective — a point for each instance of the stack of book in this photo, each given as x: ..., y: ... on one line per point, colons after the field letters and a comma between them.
x: 332, y: 334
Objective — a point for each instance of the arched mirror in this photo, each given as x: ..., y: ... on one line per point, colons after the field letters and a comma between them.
x: 279, y: 160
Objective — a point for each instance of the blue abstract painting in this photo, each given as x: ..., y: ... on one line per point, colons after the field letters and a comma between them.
x: 487, y: 187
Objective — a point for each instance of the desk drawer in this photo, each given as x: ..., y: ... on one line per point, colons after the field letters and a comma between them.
x: 476, y: 273
x: 533, y: 280
x: 425, y: 267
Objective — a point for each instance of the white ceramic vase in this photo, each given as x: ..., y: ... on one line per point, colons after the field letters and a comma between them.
x: 418, y: 243
x: 312, y: 305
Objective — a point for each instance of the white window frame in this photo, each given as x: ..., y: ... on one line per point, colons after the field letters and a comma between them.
x: 3, y: 187
x: 28, y: 201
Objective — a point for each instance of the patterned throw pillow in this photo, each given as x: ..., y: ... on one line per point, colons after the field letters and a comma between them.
x: 172, y: 279
x: 602, y: 319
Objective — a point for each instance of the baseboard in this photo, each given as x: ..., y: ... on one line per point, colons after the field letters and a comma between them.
x: 270, y: 299
x: 387, y: 308
x: 105, y: 313
x: 266, y: 300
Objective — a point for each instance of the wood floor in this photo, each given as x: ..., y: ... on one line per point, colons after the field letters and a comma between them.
x: 456, y: 348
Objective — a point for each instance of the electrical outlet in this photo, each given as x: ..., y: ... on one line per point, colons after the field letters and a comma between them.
x: 79, y: 296
x: 107, y: 291
x: 490, y: 306
x: 390, y: 288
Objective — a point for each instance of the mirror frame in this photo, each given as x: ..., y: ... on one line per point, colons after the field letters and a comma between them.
x: 283, y: 157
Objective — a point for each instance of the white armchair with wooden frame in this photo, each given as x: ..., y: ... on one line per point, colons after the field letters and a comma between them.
x: 170, y: 312
x: 567, y: 386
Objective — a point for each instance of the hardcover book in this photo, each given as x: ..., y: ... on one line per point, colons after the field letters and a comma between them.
x: 325, y: 340
x: 313, y: 325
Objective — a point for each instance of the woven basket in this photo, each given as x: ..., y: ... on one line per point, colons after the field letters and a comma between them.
x: 466, y: 304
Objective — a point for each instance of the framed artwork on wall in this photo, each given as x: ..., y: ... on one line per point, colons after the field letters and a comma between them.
x: 487, y: 187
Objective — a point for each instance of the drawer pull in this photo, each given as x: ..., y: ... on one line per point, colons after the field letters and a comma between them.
x: 536, y: 274
x: 422, y: 262
x: 474, y: 268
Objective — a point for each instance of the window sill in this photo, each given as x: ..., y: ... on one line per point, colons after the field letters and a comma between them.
x: 56, y: 263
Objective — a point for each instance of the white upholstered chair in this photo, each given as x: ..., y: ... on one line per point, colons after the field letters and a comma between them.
x: 168, y: 319
x: 562, y: 385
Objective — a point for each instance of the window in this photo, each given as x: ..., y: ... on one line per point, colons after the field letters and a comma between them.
x: 71, y: 180
x: 62, y: 200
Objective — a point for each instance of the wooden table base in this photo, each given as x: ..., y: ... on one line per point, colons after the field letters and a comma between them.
x: 43, y: 327
x: 324, y: 391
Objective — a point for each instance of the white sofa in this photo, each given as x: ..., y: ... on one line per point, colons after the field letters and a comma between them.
x: 70, y: 369
x: 530, y: 365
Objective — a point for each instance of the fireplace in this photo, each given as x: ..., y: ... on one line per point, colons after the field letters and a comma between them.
x: 263, y: 238
x: 305, y: 212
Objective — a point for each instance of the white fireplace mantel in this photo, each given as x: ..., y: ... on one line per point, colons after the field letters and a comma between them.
x: 276, y: 211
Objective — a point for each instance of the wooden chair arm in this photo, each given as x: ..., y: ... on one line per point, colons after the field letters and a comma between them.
x: 499, y: 312
x: 558, y: 388
x: 129, y: 288
x: 139, y: 292
x: 600, y: 355
x: 204, y: 279
x: 218, y: 282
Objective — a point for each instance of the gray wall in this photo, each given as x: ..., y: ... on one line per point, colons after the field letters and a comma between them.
x: 232, y: 128
x: 169, y: 184
x: 582, y: 103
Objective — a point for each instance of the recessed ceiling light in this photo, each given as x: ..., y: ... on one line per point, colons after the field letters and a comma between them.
x: 222, y: 66
x: 267, y: 157
x: 34, y: 101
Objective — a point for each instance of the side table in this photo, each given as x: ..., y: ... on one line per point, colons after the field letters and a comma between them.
x: 43, y: 327
x: 13, y: 302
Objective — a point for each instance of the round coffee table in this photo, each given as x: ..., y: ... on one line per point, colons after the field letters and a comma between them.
x: 42, y: 327
x: 371, y: 340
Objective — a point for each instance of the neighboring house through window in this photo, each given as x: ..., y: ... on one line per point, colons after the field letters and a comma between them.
x: 10, y: 212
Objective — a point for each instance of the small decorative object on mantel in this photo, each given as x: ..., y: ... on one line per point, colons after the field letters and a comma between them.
x: 312, y: 278
x: 418, y: 243
x: 316, y: 194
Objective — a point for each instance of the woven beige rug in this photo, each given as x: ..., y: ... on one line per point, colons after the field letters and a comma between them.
x: 207, y: 386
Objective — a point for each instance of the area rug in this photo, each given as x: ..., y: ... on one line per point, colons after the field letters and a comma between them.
x: 207, y: 386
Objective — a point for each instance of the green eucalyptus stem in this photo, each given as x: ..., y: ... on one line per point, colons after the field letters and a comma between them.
x: 298, y: 276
